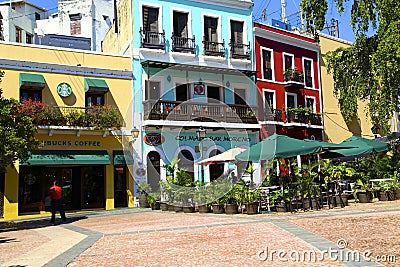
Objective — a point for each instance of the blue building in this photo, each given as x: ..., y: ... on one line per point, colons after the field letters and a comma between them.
x: 193, y: 68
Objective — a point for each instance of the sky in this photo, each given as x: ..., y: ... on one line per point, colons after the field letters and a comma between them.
x: 274, y: 11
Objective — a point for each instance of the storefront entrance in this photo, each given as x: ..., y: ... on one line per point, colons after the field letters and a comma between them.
x: 83, y: 187
x: 153, y: 170
x: 120, y: 196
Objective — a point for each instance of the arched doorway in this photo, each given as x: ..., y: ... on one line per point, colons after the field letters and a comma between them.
x: 153, y: 170
x: 216, y: 170
x: 186, y: 161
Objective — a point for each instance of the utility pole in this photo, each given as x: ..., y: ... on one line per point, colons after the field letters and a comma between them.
x: 283, y: 5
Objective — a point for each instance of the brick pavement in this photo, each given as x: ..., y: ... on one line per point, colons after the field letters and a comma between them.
x: 133, y: 237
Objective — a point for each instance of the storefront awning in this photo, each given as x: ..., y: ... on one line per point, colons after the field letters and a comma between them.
x: 96, y: 85
x: 122, y: 157
x: 69, y: 157
x: 31, y: 81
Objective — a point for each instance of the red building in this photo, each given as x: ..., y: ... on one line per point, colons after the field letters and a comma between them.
x: 288, y: 81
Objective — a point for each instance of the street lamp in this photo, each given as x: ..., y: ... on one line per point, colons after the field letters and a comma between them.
x: 201, y: 134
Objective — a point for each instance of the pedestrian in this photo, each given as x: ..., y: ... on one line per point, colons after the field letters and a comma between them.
x: 56, y: 202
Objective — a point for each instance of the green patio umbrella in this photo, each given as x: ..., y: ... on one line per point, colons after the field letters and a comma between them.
x: 279, y: 146
x: 360, y: 146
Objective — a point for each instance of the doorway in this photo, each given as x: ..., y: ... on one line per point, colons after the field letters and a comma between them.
x: 186, y: 161
x: 153, y: 170
x: 216, y: 170
x: 120, y: 194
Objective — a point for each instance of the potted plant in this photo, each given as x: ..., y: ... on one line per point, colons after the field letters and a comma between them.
x: 202, y: 198
x: 153, y: 198
x: 143, y: 189
x: 280, y: 200
x: 384, y: 191
x: 293, y: 75
x: 249, y: 197
x: 362, y: 191
x: 229, y: 199
x: 218, y: 190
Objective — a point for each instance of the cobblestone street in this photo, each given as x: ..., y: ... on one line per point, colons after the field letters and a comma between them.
x: 137, y: 237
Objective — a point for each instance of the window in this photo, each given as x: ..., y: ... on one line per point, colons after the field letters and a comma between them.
x: 291, y: 100
x: 18, y: 35
x: 180, y: 24
x: 310, y: 103
x: 210, y: 29
x: 236, y: 32
x: 308, y: 73
x: 29, y: 38
x: 267, y: 64
x: 288, y: 61
x: 152, y: 90
x: 182, y: 92
x: 94, y: 99
x: 150, y: 19
x: 34, y: 95
x: 75, y: 24
x: 240, y: 97
x: 269, y: 100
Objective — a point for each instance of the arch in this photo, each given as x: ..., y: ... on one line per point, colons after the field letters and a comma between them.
x: 216, y: 170
x: 186, y: 160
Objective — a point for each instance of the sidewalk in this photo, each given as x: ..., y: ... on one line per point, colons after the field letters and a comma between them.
x: 137, y: 237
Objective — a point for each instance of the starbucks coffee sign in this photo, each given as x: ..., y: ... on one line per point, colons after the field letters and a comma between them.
x: 64, y: 89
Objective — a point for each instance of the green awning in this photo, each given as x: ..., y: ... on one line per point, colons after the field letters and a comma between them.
x: 96, y: 85
x: 122, y: 157
x: 31, y: 81
x: 69, y: 157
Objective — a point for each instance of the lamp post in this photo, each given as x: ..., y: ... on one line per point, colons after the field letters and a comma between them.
x: 201, y: 134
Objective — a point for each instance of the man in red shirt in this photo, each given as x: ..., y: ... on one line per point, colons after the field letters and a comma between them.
x: 56, y: 202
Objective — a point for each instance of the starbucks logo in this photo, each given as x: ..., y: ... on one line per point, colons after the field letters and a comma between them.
x: 64, y: 89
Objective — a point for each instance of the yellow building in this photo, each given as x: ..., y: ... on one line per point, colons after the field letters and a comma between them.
x: 120, y: 36
x: 335, y: 128
x: 84, y: 126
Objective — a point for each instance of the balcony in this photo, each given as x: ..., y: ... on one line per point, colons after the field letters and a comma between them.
x: 183, y: 44
x: 97, y: 117
x: 152, y: 40
x: 240, y: 51
x: 214, y: 49
x: 196, y: 111
x: 293, y: 78
x: 294, y: 115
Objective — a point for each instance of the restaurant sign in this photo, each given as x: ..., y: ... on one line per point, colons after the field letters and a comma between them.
x: 154, y: 139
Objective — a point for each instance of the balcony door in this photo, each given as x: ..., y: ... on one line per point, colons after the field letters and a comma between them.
x: 180, y: 24
x: 152, y: 90
x: 240, y: 97
x: 181, y: 92
x: 213, y: 93
x: 150, y: 25
x: 210, y: 29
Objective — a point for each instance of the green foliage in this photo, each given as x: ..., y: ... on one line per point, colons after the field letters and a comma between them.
x: 171, y: 167
x: 368, y: 69
x: 17, y: 132
x: 143, y: 187
x: 306, y: 175
x: 279, y: 196
x: 336, y: 171
x: 293, y: 75
x: 103, y: 117
x: 152, y: 197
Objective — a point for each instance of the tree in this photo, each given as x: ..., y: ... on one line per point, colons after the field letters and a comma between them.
x: 370, y: 68
x: 17, y: 132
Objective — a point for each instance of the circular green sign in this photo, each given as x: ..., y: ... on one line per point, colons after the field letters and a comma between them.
x: 64, y: 89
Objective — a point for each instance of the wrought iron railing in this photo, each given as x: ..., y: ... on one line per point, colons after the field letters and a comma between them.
x: 214, y: 48
x: 183, y: 44
x: 240, y: 51
x: 197, y: 111
x: 310, y: 118
x: 153, y: 40
x: 98, y: 117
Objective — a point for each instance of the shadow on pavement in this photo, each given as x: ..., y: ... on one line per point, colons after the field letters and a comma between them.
x: 33, y: 224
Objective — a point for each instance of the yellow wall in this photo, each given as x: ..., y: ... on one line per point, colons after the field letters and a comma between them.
x: 69, y: 57
x: 120, y: 43
x: 336, y: 130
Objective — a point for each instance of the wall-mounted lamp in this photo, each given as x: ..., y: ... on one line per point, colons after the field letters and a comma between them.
x: 134, y: 133
x: 169, y: 78
x: 201, y: 132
